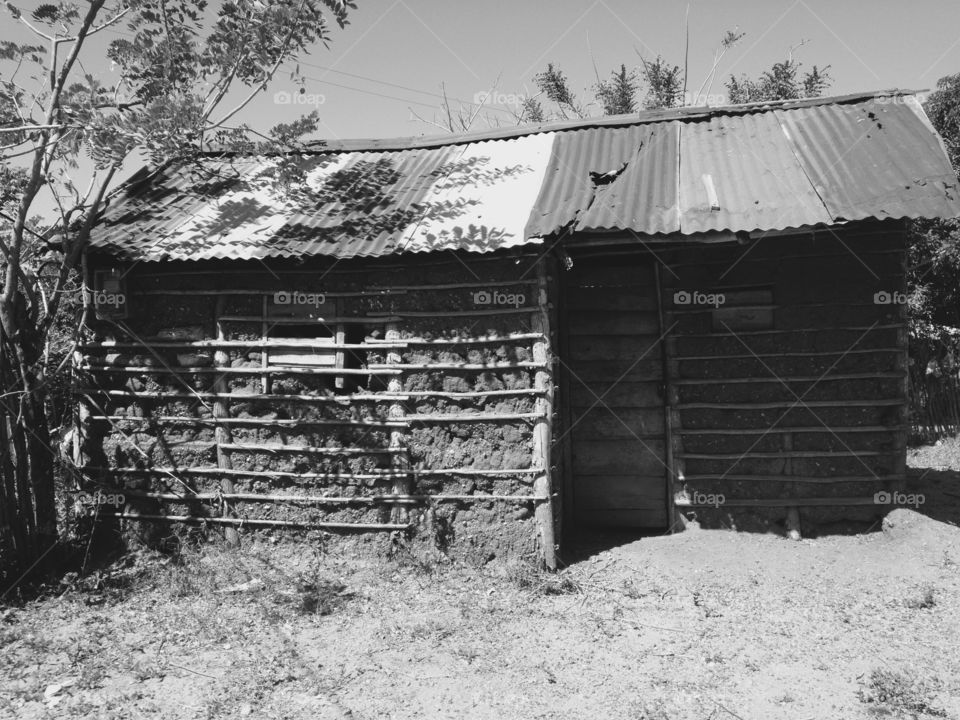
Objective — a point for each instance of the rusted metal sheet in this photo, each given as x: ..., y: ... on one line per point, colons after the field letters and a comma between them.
x: 643, y: 196
x: 874, y: 159
x: 609, y: 178
x: 766, y: 167
x: 740, y: 173
x: 475, y: 197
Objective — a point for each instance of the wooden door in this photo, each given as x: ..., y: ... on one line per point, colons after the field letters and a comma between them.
x: 614, y: 375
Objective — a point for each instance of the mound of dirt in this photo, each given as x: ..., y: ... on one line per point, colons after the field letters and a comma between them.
x: 909, y: 525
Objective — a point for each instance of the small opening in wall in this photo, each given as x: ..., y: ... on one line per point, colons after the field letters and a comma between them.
x: 744, y: 308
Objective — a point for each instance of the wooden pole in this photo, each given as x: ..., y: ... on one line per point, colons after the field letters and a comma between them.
x: 542, y: 432
x: 399, y: 462
x: 222, y: 432
x: 669, y: 399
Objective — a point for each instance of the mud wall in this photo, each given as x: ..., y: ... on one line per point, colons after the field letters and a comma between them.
x: 415, y: 411
x: 786, y: 363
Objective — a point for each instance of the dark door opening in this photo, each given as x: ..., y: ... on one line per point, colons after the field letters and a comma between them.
x: 614, y: 381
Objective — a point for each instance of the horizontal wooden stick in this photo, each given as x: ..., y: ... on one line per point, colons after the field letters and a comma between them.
x: 407, y: 419
x: 783, y: 454
x: 491, y: 285
x: 173, y: 292
x: 778, y: 429
x: 275, y: 447
x: 180, y: 419
x: 331, y: 500
x: 286, y: 320
x: 783, y: 502
x: 821, y: 330
x: 791, y: 378
x: 167, y: 471
x: 372, y: 369
x: 752, y: 356
x: 258, y: 370
x: 491, y: 310
x: 338, y: 399
x: 271, y: 523
x: 479, y: 417
x: 372, y: 291
x: 258, y: 344
x: 695, y: 309
x: 793, y: 478
x: 791, y: 403
x: 372, y: 344
x: 458, y: 366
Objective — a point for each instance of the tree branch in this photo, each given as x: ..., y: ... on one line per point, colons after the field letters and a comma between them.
x: 36, y: 178
x: 80, y: 241
x: 266, y: 79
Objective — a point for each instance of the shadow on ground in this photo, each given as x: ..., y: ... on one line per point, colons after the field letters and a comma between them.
x: 937, y: 487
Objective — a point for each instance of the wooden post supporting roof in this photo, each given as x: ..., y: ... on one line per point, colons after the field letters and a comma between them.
x: 542, y: 433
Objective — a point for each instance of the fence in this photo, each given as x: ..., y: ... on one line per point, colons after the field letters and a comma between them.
x: 934, y: 407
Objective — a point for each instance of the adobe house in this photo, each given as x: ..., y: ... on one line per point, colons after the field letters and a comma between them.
x: 483, y: 339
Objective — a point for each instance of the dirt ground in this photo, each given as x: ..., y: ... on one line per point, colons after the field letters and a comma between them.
x: 703, y: 624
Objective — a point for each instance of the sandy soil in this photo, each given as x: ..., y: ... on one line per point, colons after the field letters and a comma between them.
x: 704, y: 624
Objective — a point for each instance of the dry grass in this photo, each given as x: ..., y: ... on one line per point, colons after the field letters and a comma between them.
x: 705, y: 624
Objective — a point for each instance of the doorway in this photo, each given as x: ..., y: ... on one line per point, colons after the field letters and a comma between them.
x: 613, y: 367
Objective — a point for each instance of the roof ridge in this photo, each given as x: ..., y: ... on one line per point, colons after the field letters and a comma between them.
x: 423, y: 142
x: 631, y: 119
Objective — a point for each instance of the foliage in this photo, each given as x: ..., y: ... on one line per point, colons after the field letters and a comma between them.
x: 664, y: 84
x: 176, y: 71
x: 933, y: 276
x: 554, y: 84
x: 943, y: 109
x: 783, y: 81
x: 658, y: 83
x: 618, y: 94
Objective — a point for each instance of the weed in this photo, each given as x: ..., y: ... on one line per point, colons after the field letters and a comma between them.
x: 630, y: 589
x: 926, y: 600
x: 532, y: 578
x: 416, y: 562
x: 431, y: 628
x: 320, y: 597
x: 894, y: 691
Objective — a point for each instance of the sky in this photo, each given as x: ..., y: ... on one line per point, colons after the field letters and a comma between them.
x: 383, y: 76
x: 469, y: 47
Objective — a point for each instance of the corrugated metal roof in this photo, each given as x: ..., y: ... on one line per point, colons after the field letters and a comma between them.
x: 750, y: 168
x: 767, y: 170
x: 475, y: 197
x: 875, y: 159
x: 640, y: 187
x: 765, y: 167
